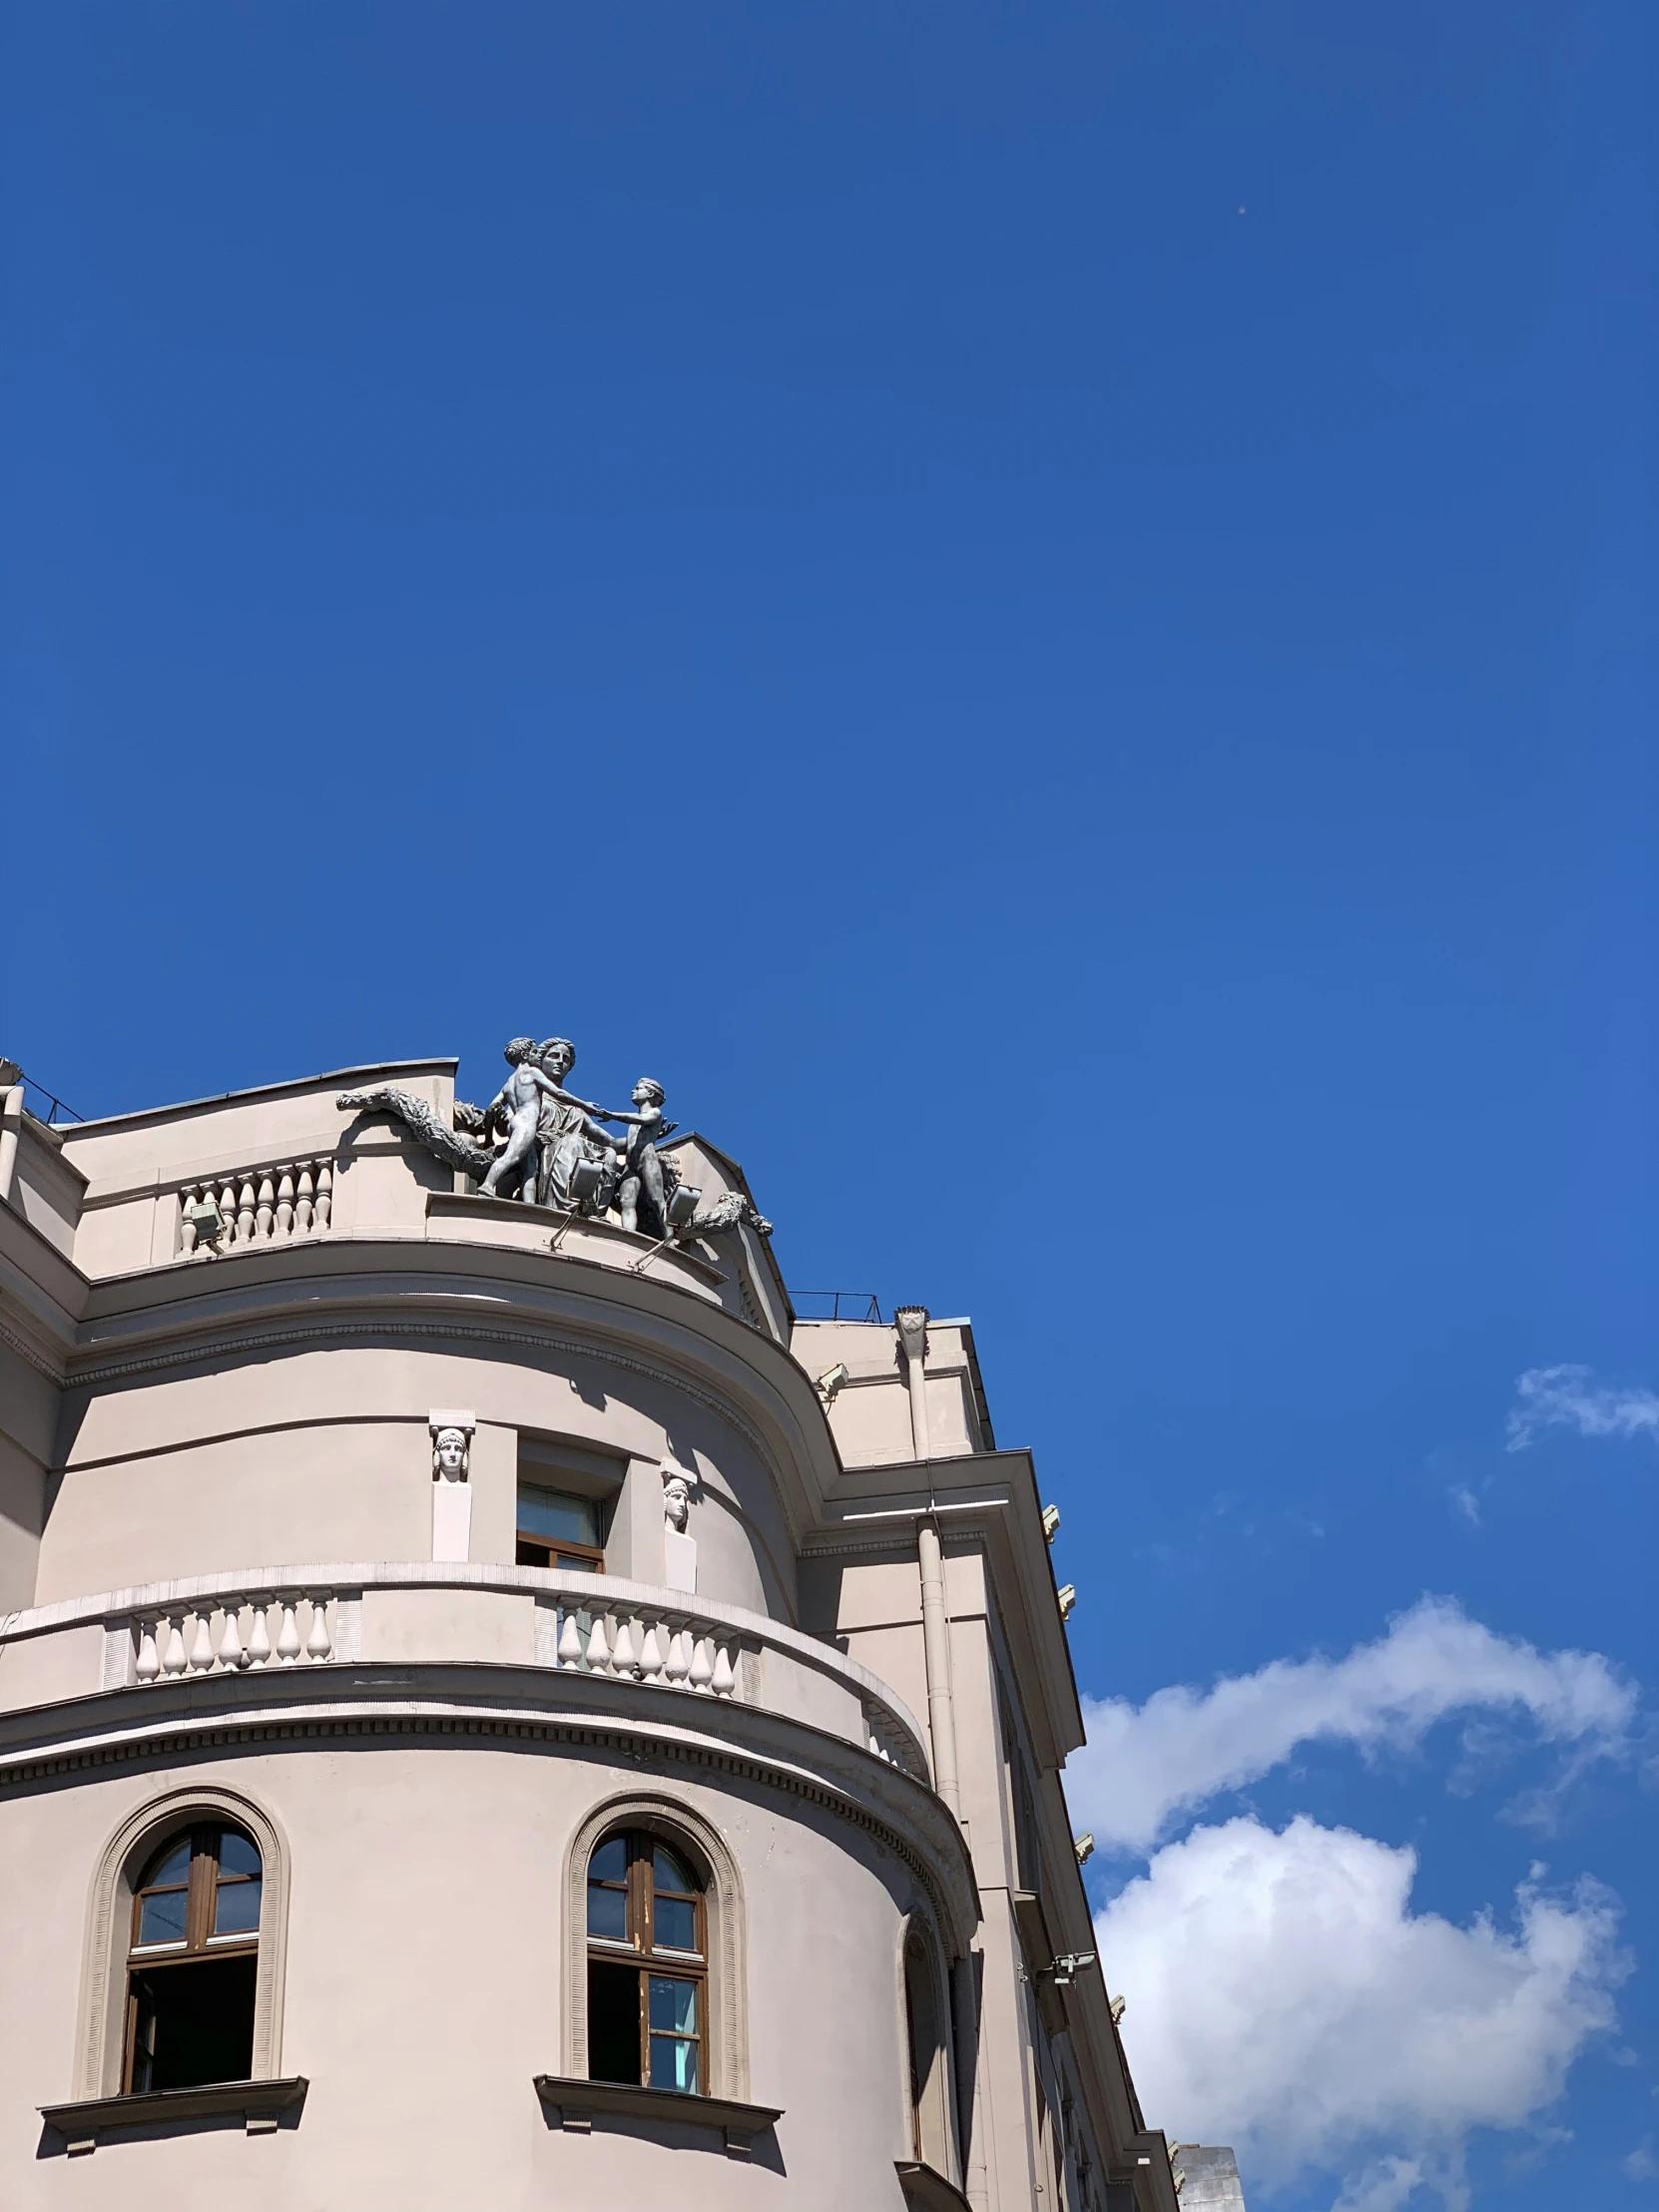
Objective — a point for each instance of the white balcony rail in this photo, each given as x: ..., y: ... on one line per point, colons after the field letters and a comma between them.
x: 271, y: 1204
x: 289, y: 1618
x: 672, y: 1651
x: 265, y: 1629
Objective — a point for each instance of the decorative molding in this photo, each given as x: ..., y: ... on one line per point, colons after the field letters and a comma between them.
x: 98, y: 2040
x: 727, y: 2042
x: 228, y: 1733
x: 31, y: 1354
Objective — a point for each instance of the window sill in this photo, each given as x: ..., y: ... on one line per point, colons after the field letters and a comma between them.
x: 928, y: 2190
x: 260, y: 2103
x: 576, y: 2102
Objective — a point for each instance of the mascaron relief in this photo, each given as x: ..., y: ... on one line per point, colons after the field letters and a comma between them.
x: 539, y: 1144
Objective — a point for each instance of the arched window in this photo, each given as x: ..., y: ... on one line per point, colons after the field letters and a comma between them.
x: 193, y: 1961
x: 927, y: 2050
x: 648, y: 1987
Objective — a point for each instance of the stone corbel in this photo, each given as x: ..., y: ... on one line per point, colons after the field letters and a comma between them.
x: 452, y: 1430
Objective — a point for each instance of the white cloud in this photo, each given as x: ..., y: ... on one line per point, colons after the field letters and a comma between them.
x: 1570, y: 1397
x: 1144, y: 1766
x: 1467, y: 1503
x: 1284, y: 1997
x: 1641, y: 2165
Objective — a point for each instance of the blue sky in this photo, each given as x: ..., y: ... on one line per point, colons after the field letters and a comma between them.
x: 1047, y: 614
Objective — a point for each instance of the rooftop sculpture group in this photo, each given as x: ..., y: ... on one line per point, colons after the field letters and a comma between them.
x: 539, y: 1143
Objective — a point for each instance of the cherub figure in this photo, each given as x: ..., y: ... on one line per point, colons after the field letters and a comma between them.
x: 642, y: 1191
x: 519, y: 1103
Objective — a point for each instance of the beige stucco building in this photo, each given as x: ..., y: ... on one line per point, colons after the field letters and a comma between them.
x: 496, y: 1710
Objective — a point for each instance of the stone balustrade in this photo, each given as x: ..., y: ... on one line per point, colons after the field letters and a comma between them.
x: 565, y: 1624
x: 674, y: 1650
x: 268, y: 1205
x: 266, y: 1629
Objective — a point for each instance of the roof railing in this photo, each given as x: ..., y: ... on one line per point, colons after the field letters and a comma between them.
x: 842, y: 1305
x: 11, y: 1073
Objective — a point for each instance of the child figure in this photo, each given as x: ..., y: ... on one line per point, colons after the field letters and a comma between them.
x: 642, y: 1189
x: 519, y: 1103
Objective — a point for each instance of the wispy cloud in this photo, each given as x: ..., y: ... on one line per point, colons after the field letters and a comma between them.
x: 1570, y: 1397
x: 1143, y: 1766
x: 1284, y: 1996
x: 1466, y: 1502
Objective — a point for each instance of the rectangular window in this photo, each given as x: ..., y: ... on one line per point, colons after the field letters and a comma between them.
x: 558, y: 1529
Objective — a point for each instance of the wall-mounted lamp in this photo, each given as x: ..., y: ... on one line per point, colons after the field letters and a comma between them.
x: 831, y: 1381
x: 207, y: 1222
x: 1068, y: 1967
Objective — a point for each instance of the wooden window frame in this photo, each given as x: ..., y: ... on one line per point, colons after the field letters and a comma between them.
x: 554, y: 1552
x: 202, y: 1884
x: 640, y: 1950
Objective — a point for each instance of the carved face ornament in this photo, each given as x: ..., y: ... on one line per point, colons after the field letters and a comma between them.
x: 449, y: 1454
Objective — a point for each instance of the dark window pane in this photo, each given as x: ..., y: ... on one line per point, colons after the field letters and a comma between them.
x: 237, y: 1855
x: 532, y: 1555
x: 551, y: 1514
x: 172, y: 1864
x: 612, y: 2024
x: 669, y: 1871
x: 610, y: 1862
x: 674, y: 2065
x: 608, y: 1912
x: 238, y: 1908
x: 162, y: 1918
x: 672, y: 2005
x: 676, y: 1922
x: 195, y: 2024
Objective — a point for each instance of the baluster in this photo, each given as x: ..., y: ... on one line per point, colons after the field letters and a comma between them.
x: 231, y: 1653
x: 724, y: 1681
x: 258, y: 1640
x: 317, y: 1643
x: 679, y: 1666
x: 651, y: 1655
x: 228, y: 1211
x: 622, y: 1658
x: 570, y: 1642
x: 288, y: 1636
x: 174, y: 1660
x: 149, y: 1664
x: 599, y: 1652
x: 268, y: 1206
x: 324, y: 1196
x: 202, y: 1647
x: 284, y: 1201
x: 702, y: 1674
x: 303, y: 1202
x: 245, y: 1212
x: 187, y: 1227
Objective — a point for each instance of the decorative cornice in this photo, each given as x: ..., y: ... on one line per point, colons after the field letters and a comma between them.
x: 31, y: 1354
x: 226, y: 1732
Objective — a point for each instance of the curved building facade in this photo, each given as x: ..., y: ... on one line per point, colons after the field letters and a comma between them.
x: 497, y: 1710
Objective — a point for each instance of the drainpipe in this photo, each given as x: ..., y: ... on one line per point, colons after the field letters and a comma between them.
x: 936, y: 1622
x: 11, y: 1125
